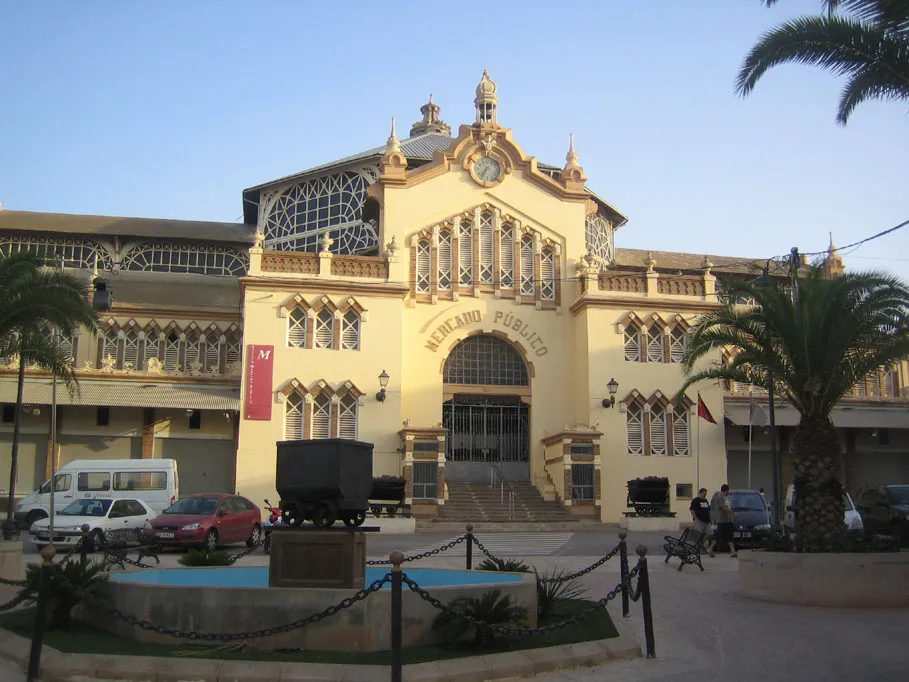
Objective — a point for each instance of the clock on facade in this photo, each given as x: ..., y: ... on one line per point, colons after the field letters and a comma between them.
x: 487, y: 169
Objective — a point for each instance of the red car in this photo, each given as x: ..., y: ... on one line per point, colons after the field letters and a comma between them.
x: 208, y: 520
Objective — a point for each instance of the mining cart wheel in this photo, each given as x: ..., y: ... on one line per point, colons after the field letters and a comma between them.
x: 324, y: 515
x: 356, y: 519
x: 290, y: 517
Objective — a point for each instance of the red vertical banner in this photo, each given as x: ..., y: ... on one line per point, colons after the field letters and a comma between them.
x: 260, y: 361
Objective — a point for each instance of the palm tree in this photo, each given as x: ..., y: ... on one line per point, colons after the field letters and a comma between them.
x: 818, y: 344
x: 34, y: 298
x: 870, y: 47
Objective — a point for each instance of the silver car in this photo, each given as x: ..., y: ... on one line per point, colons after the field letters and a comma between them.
x: 852, y: 519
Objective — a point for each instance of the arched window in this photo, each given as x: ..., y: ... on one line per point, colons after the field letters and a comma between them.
x: 506, y: 257
x: 465, y: 254
x: 321, y: 416
x: 527, y: 266
x: 599, y: 238
x: 485, y: 360
x: 350, y: 330
x: 297, y: 321
x: 347, y: 417
x: 445, y: 260
x: 547, y: 274
x: 294, y: 408
x: 325, y: 329
x: 486, y: 249
x: 424, y: 261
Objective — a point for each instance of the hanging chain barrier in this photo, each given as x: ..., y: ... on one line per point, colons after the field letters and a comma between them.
x: 513, y: 630
x: 422, y: 555
x: 20, y: 598
x: 246, y: 552
x: 345, y: 603
x: 13, y: 583
x: 583, y: 571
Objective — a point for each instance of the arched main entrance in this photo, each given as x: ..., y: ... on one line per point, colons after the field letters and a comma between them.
x: 488, y: 422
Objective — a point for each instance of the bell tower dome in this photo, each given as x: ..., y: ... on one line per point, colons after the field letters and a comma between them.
x: 486, y: 101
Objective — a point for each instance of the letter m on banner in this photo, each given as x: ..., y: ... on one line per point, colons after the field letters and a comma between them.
x: 259, y: 379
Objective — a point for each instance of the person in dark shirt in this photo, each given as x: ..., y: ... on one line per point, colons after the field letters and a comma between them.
x: 700, y: 513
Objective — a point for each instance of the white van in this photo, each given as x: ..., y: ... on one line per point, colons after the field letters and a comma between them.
x: 154, y: 481
x: 852, y: 519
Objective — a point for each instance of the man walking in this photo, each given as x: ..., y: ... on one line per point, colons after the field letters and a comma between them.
x: 725, y: 529
x: 700, y: 514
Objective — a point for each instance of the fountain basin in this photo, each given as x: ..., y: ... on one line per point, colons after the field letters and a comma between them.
x: 238, y: 599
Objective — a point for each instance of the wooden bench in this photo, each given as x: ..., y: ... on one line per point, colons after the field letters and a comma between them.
x: 118, y: 544
x: 686, y: 547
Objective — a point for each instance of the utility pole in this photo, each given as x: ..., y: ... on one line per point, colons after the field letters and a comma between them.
x: 774, y: 454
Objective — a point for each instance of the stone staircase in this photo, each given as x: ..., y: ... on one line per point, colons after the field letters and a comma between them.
x: 480, y: 503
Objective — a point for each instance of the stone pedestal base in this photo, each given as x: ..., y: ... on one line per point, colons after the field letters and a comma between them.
x: 311, y: 558
x: 11, y: 560
x: 645, y: 524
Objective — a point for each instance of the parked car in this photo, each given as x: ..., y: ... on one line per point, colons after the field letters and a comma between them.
x: 752, y: 517
x: 885, y: 510
x: 851, y: 517
x: 102, y: 515
x: 208, y: 520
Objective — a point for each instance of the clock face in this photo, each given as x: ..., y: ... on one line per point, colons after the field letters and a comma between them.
x: 487, y: 169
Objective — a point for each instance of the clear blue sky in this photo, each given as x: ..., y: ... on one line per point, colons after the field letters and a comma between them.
x: 170, y: 109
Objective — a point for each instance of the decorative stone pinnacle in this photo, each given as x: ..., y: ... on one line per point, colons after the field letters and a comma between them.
x: 393, y: 145
x: 571, y: 157
x: 649, y: 261
x: 258, y: 238
x: 392, y: 246
x: 707, y: 263
x: 832, y: 248
x: 326, y: 242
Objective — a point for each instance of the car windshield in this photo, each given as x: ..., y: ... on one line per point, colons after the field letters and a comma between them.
x: 200, y: 506
x: 747, y: 502
x: 898, y: 494
x: 86, y: 508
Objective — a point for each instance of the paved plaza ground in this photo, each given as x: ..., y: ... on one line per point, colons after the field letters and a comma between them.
x: 704, y: 629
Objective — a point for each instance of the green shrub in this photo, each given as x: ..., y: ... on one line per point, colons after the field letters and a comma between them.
x: 504, y: 565
x: 492, y: 608
x: 62, y: 598
x: 198, y: 557
x: 554, y: 593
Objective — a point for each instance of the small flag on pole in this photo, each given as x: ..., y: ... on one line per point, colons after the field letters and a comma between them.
x: 703, y: 412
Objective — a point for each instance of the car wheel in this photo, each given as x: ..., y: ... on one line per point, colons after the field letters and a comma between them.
x: 34, y: 515
x: 96, y: 540
x: 211, y: 541
x: 255, y: 537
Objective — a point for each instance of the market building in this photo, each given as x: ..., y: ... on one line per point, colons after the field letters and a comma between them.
x: 447, y: 297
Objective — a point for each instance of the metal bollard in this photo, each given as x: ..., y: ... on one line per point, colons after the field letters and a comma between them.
x: 623, y: 570
x: 83, y: 544
x: 34, y: 657
x: 469, y: 546
x: 397, y: 618
x: 644, y: 578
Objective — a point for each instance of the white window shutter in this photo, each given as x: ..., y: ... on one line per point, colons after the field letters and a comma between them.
x: 547, y: 275
x: 527, y: 266
x: 506, y: 257
x: 632, y: 344
x: 424, y: 261
x: 634, y: 427
x: 350, y: 330
x: 325, y: 329
x: 445, y: 260
x: 347, y: 427
x: 486, y: 249
x: 321, y: 417
x: 681, y: 434
x: 293, y: 417
x: 296, y: 328
x: 465, y: 254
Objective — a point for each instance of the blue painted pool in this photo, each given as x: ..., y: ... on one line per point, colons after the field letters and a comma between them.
x: 258, y: 577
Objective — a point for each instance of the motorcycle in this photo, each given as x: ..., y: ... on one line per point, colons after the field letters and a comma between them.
x: 274, y: 519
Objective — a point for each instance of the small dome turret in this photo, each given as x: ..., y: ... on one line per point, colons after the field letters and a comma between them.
x: 486, y: 101
x: 432, y: 122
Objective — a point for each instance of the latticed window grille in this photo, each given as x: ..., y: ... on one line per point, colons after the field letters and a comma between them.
x: 233, y: 348
x: 634, y: 429
x: 82, y: 254
x: 296, y: 217
x: 321, y: 417
x: 425, y: 480
x: 293, y: 416
x: 152, y: 343
x: 527, y: 266
x: 108, y: 342
x: 424, y: 263
x: 655, y: 340
x: 599, y: 238
x: 681, y: 438
x: 486, y: 248
x: 325, y: 328
x: 547, y: 275
x: 677, y: 343
x: 659, y: 437
x: 633, y: 343
x: 65, y: 342
x: 465, y: 254
x: 350, y: 330
x: 131, y: 350
x: 296, y: 328
x: 347, y: 417
x: 506, y: 256
x: 185, y: 258
x: 890, y: 383
x: 582, y: 481
x: 874, y: 384
x: 192, y: 349
x: 213, y: 352
x: 485, y: 360
x: 444, y: 256
x: 172, y: 352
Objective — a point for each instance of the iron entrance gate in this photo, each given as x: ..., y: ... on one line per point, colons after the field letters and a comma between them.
x: 484, y: 431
